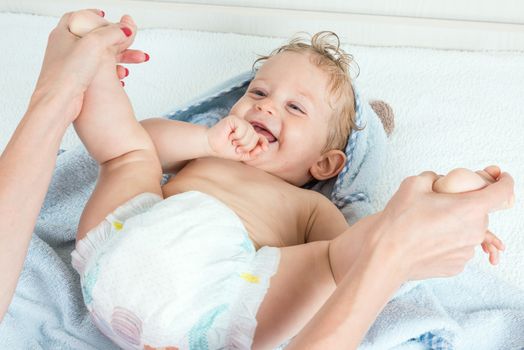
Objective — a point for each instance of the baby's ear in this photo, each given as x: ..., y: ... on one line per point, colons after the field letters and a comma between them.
x: 329, y: 164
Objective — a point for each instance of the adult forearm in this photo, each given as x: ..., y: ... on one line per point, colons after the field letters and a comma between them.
x: 26, y: 167
x: 345, y: 318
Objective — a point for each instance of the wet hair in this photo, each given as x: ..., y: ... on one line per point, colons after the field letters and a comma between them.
x: 325, y: 51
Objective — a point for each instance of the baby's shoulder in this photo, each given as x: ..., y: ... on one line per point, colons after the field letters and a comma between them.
x: 316, y: 201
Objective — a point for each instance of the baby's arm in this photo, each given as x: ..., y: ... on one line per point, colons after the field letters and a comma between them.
x: 178, y: 142
x: 114, y: 138
x: 464, y: 180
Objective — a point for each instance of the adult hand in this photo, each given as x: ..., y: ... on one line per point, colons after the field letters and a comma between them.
x: 27, y: 162
x: 70, y: 62
x: 434, y: 234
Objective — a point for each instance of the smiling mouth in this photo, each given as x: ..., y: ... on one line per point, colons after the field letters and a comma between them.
x: 260, y: 129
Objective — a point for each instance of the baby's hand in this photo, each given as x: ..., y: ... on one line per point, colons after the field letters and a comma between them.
x: 234, y: 138
x: 465, y: 180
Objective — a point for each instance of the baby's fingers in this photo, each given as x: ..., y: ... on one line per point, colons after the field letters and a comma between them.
x: 263, y: 143
x: 244, y: 136
x: 239, y: 133
x: 261, y: 146
x: 247, y: 143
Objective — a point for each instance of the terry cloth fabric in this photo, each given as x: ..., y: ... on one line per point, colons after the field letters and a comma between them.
x: 468, y: 311
x: 365, y: 150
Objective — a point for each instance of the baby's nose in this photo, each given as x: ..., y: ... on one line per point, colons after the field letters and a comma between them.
x: 265, y: 107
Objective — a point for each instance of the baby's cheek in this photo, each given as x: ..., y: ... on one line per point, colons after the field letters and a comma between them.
x: 459, y: 180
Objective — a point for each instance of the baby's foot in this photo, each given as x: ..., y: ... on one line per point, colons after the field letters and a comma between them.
x: 106, y: 112
x: 465, y: 180
x: 105, y: 94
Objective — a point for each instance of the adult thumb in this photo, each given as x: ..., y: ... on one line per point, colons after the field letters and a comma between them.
x: 110, y: 35
x: 496, y: 196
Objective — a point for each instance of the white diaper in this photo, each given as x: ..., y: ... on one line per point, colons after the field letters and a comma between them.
x: 180, y: 273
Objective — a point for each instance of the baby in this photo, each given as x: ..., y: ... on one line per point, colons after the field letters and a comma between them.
x: 188, y: 265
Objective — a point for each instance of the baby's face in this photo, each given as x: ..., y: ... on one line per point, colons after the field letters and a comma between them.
x: 287, y: 102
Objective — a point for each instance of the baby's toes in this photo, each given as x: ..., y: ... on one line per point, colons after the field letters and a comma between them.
x: 459, y: 180
x: 84, y: 21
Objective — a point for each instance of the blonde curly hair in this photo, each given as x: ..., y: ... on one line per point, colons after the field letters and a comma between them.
x: 326, y: 54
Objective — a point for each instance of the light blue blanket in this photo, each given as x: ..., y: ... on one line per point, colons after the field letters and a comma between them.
x: 470, y: 311
x: 47, y: 311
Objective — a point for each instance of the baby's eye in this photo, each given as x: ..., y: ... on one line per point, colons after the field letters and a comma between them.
x: 296, y: 108
x: 258, y: 92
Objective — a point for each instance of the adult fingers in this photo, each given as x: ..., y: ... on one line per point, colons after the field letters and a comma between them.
x: 496, y: 196
x: 64, y: 20
x: 121, y: 72
x: 132, y: 56
x: 107, y: 36
x: 490, y: 174
x: 493, y: 171
x: 494, y: 240
x: 424, y: 181
x: 493, y: 254
x: 486, y: 176
x: 492, y: 245
x: 127, y: 21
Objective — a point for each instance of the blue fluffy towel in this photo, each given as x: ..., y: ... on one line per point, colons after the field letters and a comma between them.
x: 47, y: 311
x: 470, y: 311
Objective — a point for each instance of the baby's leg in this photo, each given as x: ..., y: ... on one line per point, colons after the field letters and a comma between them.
x: 464, y: 180
x: 114, y: 138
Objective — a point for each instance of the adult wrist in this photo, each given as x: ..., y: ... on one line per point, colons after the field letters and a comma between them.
x: 383, y: 248
x: 59, y: 106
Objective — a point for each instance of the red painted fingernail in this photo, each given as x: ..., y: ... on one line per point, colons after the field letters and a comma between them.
x: 127, y: 71
x: 127, y: 31
x: 147, y: 57
x: 102, y: 13
x: 123, y: 84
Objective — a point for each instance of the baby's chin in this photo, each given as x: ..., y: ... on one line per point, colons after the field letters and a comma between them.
x: 263, y: 162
